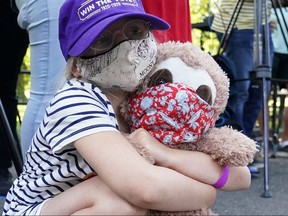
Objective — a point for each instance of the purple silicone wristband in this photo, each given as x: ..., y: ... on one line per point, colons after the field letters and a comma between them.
x: 223, y: 178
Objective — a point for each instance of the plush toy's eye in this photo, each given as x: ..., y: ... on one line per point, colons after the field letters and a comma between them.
x: 161, y: 81
x: 161, y: 76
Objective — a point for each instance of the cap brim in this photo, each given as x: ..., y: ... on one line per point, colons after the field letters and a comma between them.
x: 86, y: 39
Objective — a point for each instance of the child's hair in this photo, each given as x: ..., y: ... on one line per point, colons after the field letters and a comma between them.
x: 61, y: 78
x: 70, y: 66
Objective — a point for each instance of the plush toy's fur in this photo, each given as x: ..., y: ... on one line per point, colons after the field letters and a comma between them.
x: 194, y: 67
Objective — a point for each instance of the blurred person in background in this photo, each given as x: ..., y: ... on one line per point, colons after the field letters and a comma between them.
x: 40, y: 19
x: 13, y: 49
x: 245, y: 98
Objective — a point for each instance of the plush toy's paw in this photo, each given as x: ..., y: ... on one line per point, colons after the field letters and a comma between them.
x: 228, y: 146
x: 143, y: 152
x: 199, y: 212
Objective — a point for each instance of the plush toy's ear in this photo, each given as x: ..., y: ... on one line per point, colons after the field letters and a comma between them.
x: 160, y: 77
x: 205, y: 93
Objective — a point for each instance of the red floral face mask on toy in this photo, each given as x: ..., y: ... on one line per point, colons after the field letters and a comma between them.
x: 173, y: 113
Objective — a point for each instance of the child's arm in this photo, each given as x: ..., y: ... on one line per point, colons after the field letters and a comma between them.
x: 188, y: 163
x: 140, y: 183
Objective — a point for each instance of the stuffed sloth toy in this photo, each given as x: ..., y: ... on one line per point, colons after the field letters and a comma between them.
x: 178, y: 103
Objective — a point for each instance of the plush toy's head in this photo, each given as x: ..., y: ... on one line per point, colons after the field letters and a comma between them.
x: 190, y: 65
x: 182, y: 97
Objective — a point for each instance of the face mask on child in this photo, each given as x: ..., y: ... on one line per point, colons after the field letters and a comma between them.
x: 121, y: 68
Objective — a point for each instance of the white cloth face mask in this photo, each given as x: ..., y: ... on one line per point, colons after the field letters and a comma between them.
x: 121, y: 68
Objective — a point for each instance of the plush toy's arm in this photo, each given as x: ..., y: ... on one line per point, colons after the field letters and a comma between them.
x: 228, y: 146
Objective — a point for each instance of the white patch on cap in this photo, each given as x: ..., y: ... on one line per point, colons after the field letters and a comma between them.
x: 90, y: 7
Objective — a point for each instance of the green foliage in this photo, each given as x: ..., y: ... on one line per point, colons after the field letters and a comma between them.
x: 206, y: 40
x: 201, y: 9
x: 26, y: 61
x: 23, y: 85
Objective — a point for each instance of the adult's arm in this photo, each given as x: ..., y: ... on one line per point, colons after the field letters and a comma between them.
x: 144, y: 185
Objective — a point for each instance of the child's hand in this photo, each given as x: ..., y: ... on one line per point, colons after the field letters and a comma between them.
x: 149, y: 147
x: 273, y: 25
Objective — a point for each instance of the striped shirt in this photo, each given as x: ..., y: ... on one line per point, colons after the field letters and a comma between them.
x: 52, y: 163
x: 245, y: 19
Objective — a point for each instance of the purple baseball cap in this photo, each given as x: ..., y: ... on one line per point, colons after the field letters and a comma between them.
x: 82, y: 21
